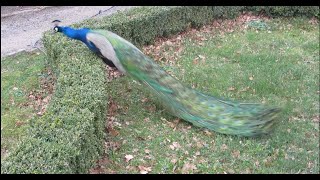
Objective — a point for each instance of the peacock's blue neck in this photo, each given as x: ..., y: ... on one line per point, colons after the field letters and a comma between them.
x: 79, y: 34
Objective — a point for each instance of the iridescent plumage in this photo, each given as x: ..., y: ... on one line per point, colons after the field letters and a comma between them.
x: 202, y: 110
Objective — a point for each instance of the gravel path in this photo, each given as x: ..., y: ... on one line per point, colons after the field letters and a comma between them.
x: 22, y: 26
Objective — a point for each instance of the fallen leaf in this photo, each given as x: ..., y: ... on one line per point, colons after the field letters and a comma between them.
x: 135, y: 150
x: 257, y: 163
x: 187, y: 167
x: 251, y: 78
x: 144, y: 100
x: 202, y: 57
x: 94, y: 171
x: 173, y: 161
x: 316, y: 118
x: 245, y: 89
x: 195, y: 61
x: 113, y: 132
x: 199, y: 145
x: 148, y: 157
x: 231, y: 88
x: 171, y: 147
x: 224, y: 147
x: 19, y: 123
x: 128, y: 157
x: 236, y: 154
x: 175, y: 145
x: 310, y: 165
x: 144, y: 170
x: 146, y: 119
x: 172, y: 125
x: 208, y: 132
x: 147, y: 151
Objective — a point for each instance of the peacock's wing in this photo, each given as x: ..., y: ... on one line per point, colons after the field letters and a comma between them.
x: 176, y: 97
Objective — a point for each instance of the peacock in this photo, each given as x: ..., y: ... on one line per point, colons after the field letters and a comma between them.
x: 200, y: 109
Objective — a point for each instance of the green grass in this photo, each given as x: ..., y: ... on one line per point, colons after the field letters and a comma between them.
x: 283, y: 64
x: 20, y: 74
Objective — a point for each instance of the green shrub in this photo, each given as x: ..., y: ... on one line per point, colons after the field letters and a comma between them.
x: 286, y: 11
x: 69, y: 137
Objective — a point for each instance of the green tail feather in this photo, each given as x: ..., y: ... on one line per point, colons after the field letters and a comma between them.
x: 223, y: 116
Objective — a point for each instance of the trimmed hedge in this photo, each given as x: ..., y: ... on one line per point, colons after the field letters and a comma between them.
x: 286, y: 11
x: 69, y: 137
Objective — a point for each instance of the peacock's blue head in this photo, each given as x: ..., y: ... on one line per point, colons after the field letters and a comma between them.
x: 57, y: 28
x: 79, y: 34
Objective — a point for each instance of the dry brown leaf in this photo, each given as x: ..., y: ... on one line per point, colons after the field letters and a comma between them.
x: 46, y: 99
x: 199, y: 145
x: 171, y: 147
x: 257, y: 163
x: 144, y: 100
x: 202, y: 57
x: 174, y: 145
x: 172, y: 125
x: 231, y: 88
x: 208, y: 132
x: 196, y: 61
x: 187, y: 167
x: 173, y: 161
x: 135, y: 150
x: 19, y: 123
x: 245, y: 89
x: 113, y: 132
x: 128, y: 157
x: 224, y: 147
x: 144, y: 170
x: 148, y: 157
x: 236, y: 154
x: 94, y: 171
x: 316, y: 118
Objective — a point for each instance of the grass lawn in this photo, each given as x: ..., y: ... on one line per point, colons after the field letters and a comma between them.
x: 21, y: 95
x: 278, y: 66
